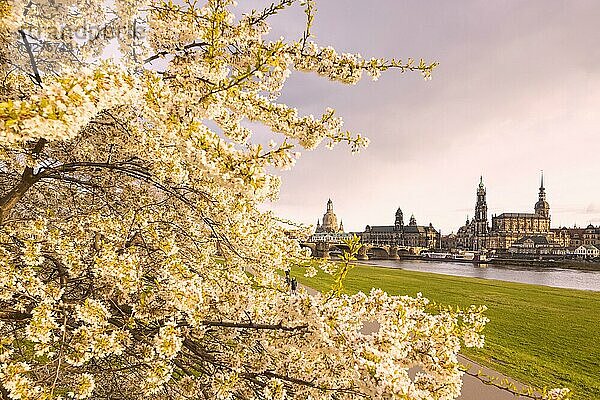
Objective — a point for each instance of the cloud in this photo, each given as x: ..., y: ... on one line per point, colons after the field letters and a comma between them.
x: 516, y: 91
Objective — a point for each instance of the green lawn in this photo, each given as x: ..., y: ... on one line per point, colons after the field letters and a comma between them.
x: 538, y: 335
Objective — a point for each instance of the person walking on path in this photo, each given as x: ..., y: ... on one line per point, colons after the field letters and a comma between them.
x: 294, y: 285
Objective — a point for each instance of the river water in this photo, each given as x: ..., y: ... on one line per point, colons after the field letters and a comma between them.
x: 546, y: 276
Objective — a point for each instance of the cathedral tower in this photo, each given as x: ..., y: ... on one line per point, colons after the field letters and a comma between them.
x: 399, y: 222
x: 542, y: 207
x: 481, y: 223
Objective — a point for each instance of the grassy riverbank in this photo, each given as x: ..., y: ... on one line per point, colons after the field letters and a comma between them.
x: 538, y: 335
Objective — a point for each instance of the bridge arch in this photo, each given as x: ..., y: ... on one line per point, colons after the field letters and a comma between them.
x: 338, y: 249
x: 311, y: 246
x: 380, y: 252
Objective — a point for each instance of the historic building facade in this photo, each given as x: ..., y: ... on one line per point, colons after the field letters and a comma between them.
x: 574, y: 237
x: 591, y: 235
x: 536, y: 247
x: 562, y: 237
x: 587, y: 251
x: 505, y: 228
x: 412, y: 235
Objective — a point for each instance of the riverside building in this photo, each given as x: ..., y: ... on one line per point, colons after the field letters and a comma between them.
x: 412, y: 235
x: 506, y: 228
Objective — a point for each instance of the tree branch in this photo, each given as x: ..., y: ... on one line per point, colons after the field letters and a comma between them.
x: 28, y: 179
x: 273, y: 9
x: 301, y: 382
x: 184, y: 48
x: 10, y: 315
x: 251, y: 325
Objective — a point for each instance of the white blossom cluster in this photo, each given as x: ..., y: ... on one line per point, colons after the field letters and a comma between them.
x: 65, y: 105
x: 558, y: 393
x: 135, y: 261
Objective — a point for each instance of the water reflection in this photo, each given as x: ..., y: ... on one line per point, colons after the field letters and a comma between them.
x: 547, y: 276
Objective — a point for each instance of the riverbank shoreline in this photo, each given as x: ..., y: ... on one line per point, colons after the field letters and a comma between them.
x: 526, y: 273
x: 566, y: 264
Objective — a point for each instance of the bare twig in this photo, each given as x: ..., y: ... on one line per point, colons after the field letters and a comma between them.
x: 184, y: 48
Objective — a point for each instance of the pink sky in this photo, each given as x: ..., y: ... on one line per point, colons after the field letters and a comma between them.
x: 517, y: 91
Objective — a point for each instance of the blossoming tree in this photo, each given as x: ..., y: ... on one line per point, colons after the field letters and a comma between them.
x: 134, y: 262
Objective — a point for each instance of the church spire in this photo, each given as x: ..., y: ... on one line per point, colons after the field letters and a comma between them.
x: 399, y: 221
x: 541, y: 207
x: 542, y: 195
x: 413, y: 220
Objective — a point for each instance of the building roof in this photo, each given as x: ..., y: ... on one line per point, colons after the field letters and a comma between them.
x: 519, y: 215
x: 380, y: 228
x: 542, y: 203
x: 414, y: 229
x: 588, y: 247
x: 538, y: 240
x: 404, y: 229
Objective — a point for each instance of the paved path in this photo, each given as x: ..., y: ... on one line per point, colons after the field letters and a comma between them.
x: 473, y: 388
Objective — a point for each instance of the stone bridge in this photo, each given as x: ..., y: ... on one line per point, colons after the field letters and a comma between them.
x: 366, y: 252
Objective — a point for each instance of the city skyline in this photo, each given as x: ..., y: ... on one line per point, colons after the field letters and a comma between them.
x: 492, y: 211
x: 489, y: 110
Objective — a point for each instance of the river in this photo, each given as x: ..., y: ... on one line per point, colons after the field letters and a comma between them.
x: 546, y: 276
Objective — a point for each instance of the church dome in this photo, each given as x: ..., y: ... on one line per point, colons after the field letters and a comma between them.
x: 330, y: 222
x: 542, y: 208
